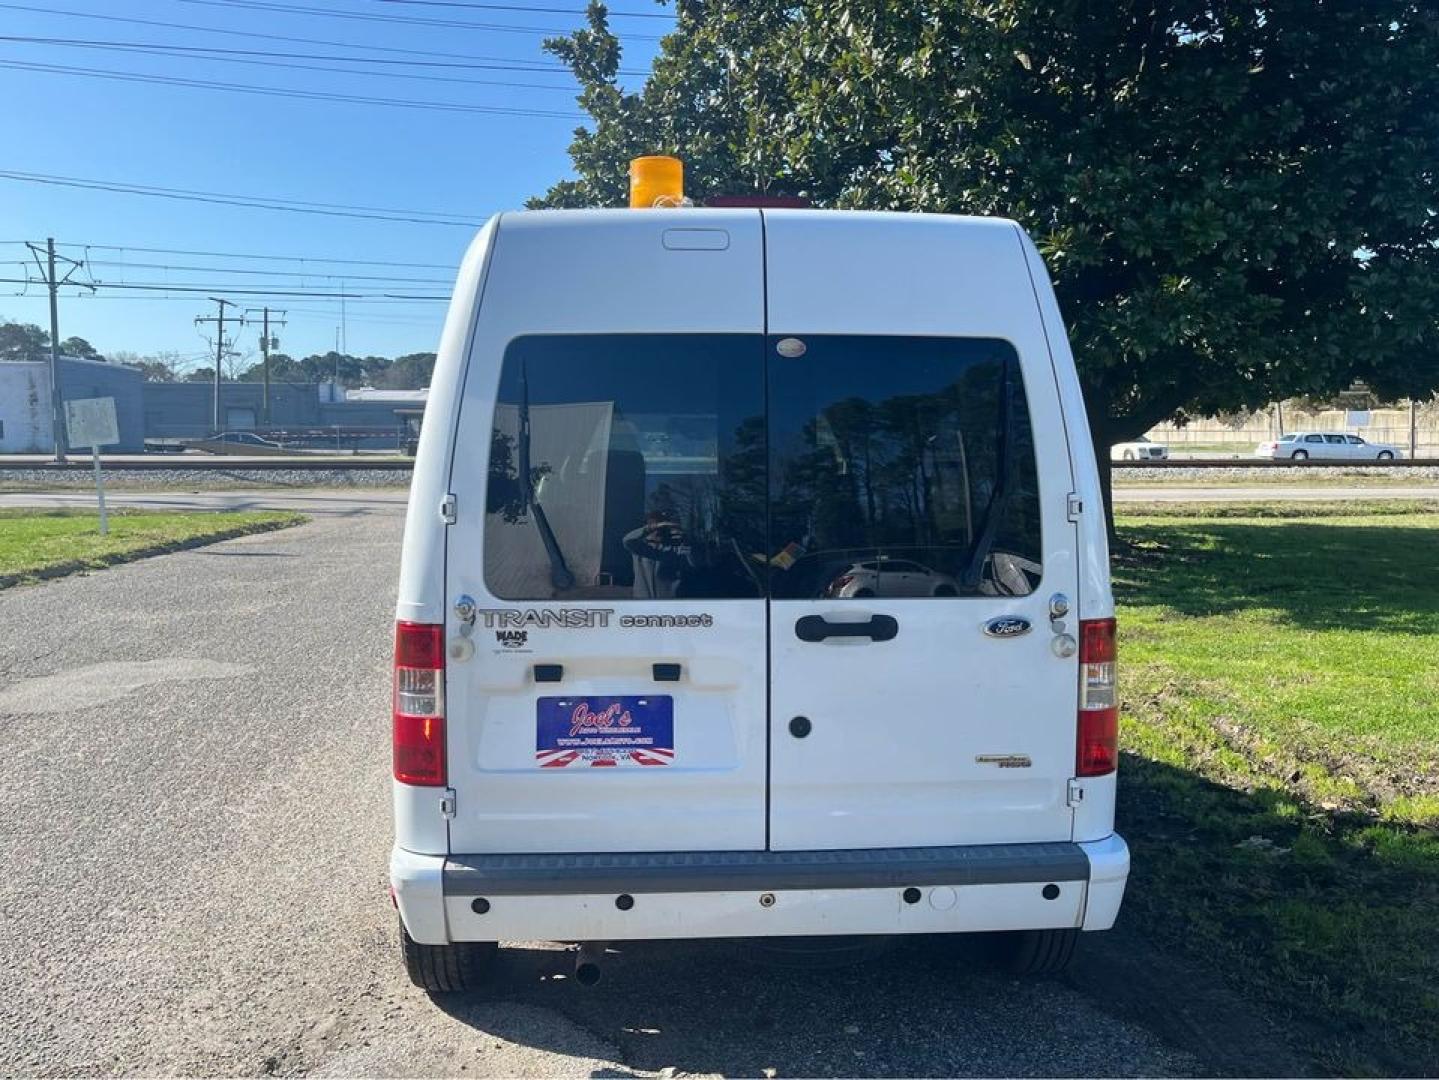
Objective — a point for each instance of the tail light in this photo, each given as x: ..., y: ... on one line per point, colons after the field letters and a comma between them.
x: 1098, y: 746
x: 419, y: 704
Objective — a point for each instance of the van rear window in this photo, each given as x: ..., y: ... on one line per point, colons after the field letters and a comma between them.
x: 901, y: 466
x: 713, y: 466
x: 627, y: 466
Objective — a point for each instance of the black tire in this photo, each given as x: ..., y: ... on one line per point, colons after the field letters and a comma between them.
x: 1301, y: 455
x: 1386, y: 455
x: 1036, y: 952
x: 447, y: 969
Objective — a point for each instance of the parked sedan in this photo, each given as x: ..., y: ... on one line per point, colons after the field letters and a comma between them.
x: 1141, y: 449
x: 1326, y: 446
x: 891, y: 577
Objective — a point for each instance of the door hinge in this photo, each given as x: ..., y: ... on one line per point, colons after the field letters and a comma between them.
x: 1075, y: 795
x: 449, y: 509
x: 447, y: 804
x: 1074, y: 506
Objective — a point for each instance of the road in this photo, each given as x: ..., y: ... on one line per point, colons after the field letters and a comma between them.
x: 353, y: 501
x: 194, y: 822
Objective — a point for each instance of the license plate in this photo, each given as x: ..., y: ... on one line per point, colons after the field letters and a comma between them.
x: 605, y: 732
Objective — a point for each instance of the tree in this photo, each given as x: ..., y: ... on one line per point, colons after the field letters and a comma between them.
x: 161, y: 367
x: 1237, y: 202
x: 410, y: 372
x: 23, y: 341
x: 79, y: 347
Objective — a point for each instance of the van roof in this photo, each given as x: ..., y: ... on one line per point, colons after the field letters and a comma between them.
x: 697, y: 215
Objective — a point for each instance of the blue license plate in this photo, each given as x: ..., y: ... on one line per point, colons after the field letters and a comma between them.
x: 605, y: 732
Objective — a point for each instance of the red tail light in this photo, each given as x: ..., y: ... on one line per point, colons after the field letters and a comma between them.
x: 419, y: 704
x: 1098, y: 743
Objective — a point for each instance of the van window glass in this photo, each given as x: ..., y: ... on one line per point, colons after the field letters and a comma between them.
x: 1334, y: 439
x: 1355, y: 440
x: 890, y: 452
x: 627, y: 467
x: 1314, y: 438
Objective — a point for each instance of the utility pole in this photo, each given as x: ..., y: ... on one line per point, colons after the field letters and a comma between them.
x: 1413, y: 429
x: 219, y: 321
x: 47, y: 271
x: 266, y: 343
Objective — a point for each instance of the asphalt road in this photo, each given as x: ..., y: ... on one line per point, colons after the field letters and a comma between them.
x: 365, y: 500
x: 194, y: 825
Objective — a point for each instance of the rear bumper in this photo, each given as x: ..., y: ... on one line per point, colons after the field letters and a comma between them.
x: 758, y: 894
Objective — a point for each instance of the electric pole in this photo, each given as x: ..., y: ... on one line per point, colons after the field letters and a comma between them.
x: 219, y: 321
x: 266, y: 344
x: 47, y: 271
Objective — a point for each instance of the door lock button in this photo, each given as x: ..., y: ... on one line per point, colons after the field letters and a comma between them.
x: 800, y: 726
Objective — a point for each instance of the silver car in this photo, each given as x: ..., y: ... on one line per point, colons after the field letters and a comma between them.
x: 1326, y: 446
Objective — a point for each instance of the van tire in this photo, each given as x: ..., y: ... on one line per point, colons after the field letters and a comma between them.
x: 1037, y: 952
x: 447, y: 969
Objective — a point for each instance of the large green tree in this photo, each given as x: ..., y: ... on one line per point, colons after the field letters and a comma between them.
x: 1237, y: 201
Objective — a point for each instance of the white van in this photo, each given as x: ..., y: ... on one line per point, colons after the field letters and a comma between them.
x: 638, y: 693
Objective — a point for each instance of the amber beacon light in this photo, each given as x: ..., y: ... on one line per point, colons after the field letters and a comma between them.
x: 656, y: 180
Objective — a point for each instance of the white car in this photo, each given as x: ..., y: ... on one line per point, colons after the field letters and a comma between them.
x: 1141, y: 449
x: 624, y: 706
x: 1326, y: 446
x: 891, y: 577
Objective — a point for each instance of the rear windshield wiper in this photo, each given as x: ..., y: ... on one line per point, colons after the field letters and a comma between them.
x: 1003, y: 487
x: 560, y: 575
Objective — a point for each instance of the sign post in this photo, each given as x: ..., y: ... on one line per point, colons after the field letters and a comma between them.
x: 91, y: 422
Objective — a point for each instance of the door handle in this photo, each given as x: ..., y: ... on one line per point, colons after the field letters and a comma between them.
x: 817, y: 628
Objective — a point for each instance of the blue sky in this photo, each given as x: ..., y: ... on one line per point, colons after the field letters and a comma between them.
x: 119, y: 131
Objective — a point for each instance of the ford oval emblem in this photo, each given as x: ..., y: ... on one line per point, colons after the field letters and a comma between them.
x: 1007, y: 626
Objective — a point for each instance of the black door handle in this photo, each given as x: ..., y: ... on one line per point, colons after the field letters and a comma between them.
x: 817, y: 628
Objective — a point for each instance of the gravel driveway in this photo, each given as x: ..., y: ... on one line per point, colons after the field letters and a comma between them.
x: 194, y: 827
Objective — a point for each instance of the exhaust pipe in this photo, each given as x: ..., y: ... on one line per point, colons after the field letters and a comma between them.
x: 587, y: 962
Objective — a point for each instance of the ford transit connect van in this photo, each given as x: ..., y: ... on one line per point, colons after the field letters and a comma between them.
x: 755, y: 583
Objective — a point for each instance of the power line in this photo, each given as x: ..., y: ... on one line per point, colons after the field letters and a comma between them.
x: 271, y: 91
x: 205, y: 52
x: 292, y: 9
x: 123, y: 263
x: 417, y: 217
x: 539, y: 65
x: 518, y: 7
x: 248, y: 255
x: 165, y: 286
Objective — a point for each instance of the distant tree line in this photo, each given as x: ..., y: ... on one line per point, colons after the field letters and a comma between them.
x: 26, y: 341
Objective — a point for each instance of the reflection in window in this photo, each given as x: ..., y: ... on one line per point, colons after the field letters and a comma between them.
x: 627, y: 466
x: 901, y: 467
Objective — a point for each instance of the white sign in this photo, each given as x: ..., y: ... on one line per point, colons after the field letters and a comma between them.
x: 91, y: 422
x: 1358, y: 417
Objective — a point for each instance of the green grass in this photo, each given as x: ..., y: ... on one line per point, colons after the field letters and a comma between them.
x: 1281, y: 793
x: 37, y: 544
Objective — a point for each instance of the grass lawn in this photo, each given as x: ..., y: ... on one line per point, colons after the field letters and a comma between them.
x: 1280, y: 670
x: 36, y: 544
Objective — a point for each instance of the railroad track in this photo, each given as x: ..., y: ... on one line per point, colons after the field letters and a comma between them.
x: 308, y: 463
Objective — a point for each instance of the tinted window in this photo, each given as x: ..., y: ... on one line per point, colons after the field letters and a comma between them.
x: 1287, y: 438
x: 900, y: 448
x: 1314, y: 438
x: 1355, y: 440
x: 1332, y: 439
x: 627, y: 466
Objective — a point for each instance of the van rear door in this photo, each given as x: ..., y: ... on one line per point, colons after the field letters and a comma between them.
x: 919, y: 475
x: 609, y: 477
